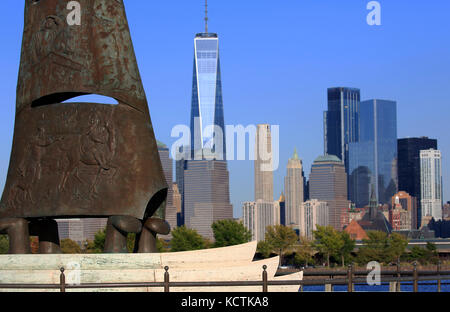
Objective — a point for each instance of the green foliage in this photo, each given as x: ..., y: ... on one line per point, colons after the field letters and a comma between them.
x: 304, y: 252
x: 281, y: 238
x: 382, y: 248
x: 264, y: 249
x: 131, y: 238
x: 347, y: 246
x: 431, y: 248
x: 4, y: 244
x: 328, y: 242
x: 229, y: 233
x: 99, y: 240
x: 417, y: 254
x: 397, y: 247
x: 375, y: 248
x: 425, y: 255
x: 98, y: 244
x: 184, y: 239
x: 68, y: 246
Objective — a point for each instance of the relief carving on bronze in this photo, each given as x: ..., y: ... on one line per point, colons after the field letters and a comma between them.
x: 75, y: 160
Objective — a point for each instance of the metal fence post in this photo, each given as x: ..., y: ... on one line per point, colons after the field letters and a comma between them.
x: 398, y: 286
x: 350, y: 278
x: 329, y: 287
x: 62, y: 281
x: 439, y: 275
x: 264, y: 278
x: 416, y: 277
x: 166, y: 279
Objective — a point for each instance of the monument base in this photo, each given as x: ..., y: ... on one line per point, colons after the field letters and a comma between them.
x: 218, y: 264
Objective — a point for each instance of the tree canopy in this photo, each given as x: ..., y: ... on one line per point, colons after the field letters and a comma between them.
x: 347, y: 246
x: 98, y: 245
x: 264, y: 249
x: 229, y: 233
x: 382, y: 247
x: 425, y: 255
x: 184, y: 239
x: 68, y: 246
x: 328, y: 242
x: 281, y: 238
x: 304, y: 252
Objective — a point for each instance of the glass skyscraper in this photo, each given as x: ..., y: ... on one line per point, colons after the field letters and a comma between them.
x: 373, y: 159
x: 341, y: 122
x: 204, y: 177
x: 207, y: 117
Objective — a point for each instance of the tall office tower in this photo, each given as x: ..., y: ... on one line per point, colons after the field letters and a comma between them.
x: 71, y: 229
x: 207, y: 114
x: 341, y: 122
x: 92, y: 226
x: 80, y: 230
x: 268, y: 215
x: 203, y: 177
x: 263, y: 164
x: 373, y: 160
x: 259, y: 215
x: 431, y: 183
x: 182, y: 156
x: 407, y: 203
x: 249, y: 216
x: 409, y: 167
x: 328, y: 182
x: 294, y: 190
x: 313, y: 213
x: 282, y: 203
x: 206, y: 195
x: 167, y: 165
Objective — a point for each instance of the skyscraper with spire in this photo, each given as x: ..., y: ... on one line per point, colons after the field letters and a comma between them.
x: 294, y: 187
x: 207, y: 116
x: 204, y: 179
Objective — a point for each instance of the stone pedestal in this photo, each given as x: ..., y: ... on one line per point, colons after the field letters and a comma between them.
x: 219, y: 264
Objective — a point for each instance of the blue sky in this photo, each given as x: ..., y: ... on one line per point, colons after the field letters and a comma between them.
x: 277, y: 58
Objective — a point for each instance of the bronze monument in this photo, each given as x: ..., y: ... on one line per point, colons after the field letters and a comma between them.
x: 75, y: 160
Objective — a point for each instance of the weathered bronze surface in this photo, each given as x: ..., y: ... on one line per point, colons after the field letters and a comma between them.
x: 81, y: 159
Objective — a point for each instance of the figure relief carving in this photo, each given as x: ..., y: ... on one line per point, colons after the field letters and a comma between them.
x: 63, y: 152
x: 77, y: 160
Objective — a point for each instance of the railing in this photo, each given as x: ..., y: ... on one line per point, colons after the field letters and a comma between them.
x: 351, y: 278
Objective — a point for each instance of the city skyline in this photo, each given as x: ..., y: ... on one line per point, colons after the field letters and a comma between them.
x: 300, y: 102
